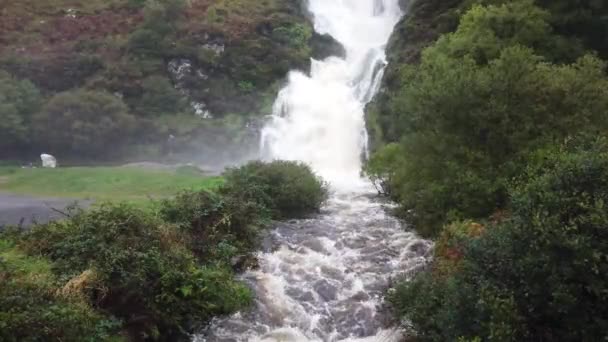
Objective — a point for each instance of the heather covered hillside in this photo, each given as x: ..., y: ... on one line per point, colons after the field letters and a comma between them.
x: 201, y: 71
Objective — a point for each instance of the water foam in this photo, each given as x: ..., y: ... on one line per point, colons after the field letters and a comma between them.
x: 319, y: 119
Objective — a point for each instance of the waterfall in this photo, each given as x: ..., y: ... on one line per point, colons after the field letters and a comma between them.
x: 319, y: 119
x: 324, y: 278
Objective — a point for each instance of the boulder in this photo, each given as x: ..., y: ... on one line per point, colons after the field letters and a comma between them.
x: 324, y: 45
x: 48, y: 161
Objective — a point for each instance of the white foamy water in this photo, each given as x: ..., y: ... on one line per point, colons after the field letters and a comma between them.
x: 325, y: 277
x: 320, y: 119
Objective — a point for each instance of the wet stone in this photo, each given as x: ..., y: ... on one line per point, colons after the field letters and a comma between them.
x: 326, y: 290
x: 360, y: 296
x: 300, y: 295
x: 332, y: 273
x: 419, y: 248
x: 316, y: 245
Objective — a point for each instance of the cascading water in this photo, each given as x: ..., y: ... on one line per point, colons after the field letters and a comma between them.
x: 326, y: 276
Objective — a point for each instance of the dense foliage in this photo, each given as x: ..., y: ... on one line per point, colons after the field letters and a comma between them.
x: 19, y: 100
x: 539, y: 275
x: 32, y: 310
x: 120, y: 272
x: 127, y: 263
x: 215, y: 226
x: 481, y: 99
x: 287, y: 189
x: 486, y: 136
x: 82, y: 122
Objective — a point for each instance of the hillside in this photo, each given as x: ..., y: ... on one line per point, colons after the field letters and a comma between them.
x: 199, y: 70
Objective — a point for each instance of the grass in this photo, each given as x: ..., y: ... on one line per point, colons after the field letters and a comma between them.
x: 26, y: 268
x: 103, y: 183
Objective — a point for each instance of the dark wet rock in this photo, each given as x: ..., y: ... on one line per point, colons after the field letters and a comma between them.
x: 379, y: 286
x: 307, y: 297
x: 269, y: 243
x: 332, y: 273
x: 241, y: 263
x: 316, y: 245
x: 324, y: 45
x: 419, y: 248
x: 300, y: 295
x: 356, y: 243
x: 374, y: 247
x: 360, y: 296
x: 326, y: 290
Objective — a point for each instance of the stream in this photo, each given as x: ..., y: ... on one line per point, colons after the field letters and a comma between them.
x: 325, y: 277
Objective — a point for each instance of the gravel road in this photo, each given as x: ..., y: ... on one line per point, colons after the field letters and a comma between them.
x: 25, y: 210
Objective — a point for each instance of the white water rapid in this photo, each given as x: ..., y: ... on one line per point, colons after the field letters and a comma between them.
x: 323, y: 279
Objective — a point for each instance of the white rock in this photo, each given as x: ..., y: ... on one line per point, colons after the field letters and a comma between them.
x: 48, y: 161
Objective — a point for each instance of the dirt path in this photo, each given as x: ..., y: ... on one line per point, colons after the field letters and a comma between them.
x: 25, y: 210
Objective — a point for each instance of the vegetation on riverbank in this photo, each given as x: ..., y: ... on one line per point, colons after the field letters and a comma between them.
x: 486, y: 136
x: 117, y: 272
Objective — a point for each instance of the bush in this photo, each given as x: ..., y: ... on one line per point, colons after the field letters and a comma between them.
x: 383, y: 168
x: 159, y: 97
x: 540, y: 275
x: 19, y: 100
x: 218, y: 228
x: 85, y: 123
x: 288, y: 189
x: 32, y: 308
x: 154, y: 36
x: 139, y: 270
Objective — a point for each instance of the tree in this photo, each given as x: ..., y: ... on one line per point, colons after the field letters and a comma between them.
x: 159, y: 97
x: 83, y: 123
x: 19, y: 101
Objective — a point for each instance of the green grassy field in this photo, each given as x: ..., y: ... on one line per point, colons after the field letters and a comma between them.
x: 103, y: 183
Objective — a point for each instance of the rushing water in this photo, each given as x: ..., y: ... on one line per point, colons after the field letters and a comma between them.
x: 324, y: 277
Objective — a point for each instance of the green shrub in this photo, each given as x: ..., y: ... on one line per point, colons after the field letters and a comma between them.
x: 83, y: 123
x: 539, y: 275
x: 383, y: 167
x: 138, y: 269
x: 295, y: 35
x: 19, y: 100
x: 32, y: 307
x: 159, y: 97
x: 288, y: 189
x: 218, y: 228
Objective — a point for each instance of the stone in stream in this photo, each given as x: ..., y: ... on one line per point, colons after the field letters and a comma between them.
x: 332, y: 273
x: 360, y: 297
x: 316, y: 245
x: 326, y: 290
